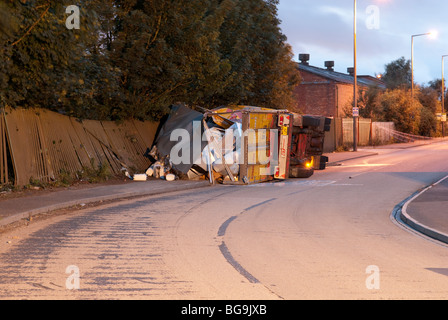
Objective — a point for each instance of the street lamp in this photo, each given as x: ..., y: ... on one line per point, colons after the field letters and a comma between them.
x: 355, y: 84
x: 443, y: 94
x: 432, y: 34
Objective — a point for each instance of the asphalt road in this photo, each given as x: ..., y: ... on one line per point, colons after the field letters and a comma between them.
x: 327, y: 237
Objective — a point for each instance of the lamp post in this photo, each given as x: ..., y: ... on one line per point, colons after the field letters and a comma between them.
x: 355, y: 84
x: 443, y: 94
x: 432, y: 33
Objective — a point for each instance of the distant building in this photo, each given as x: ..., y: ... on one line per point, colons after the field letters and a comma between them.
x: 326, y: 92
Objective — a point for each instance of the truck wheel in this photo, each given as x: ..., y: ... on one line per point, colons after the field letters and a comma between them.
x: 322, y: 162
x: 311, y: 121
x: 298, y: 172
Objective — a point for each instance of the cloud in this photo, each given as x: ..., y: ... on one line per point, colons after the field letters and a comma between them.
x: 343, y: 14
x: 324, y: 29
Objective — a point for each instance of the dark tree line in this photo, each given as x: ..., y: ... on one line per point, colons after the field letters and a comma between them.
x: 134, y: 58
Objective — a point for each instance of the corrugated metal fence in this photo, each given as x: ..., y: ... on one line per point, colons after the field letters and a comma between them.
x: 3, y: 155
x: 40, y: 144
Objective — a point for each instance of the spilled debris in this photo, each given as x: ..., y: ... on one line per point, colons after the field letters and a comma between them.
x: 237, y: 145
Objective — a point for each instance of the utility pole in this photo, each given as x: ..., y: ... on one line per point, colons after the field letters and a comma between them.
x: 443, y: 95
x: 355, y: 86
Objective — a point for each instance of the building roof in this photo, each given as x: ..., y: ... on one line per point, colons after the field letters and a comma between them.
x: 363, y: 80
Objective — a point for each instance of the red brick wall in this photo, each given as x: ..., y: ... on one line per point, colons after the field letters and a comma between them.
x: 321, y: 96
x: 316, y: 95
x: 311, y: 77
x: 317, y: 99
x: 344, y: 98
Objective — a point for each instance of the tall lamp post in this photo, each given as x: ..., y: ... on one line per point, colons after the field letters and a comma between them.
x: 432, y: 33
x: 443, y: 94
x: 355, y: 84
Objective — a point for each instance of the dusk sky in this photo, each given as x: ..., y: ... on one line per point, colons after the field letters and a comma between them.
x: 324, y: 29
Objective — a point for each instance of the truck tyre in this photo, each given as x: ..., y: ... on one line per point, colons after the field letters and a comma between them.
x: 323, y: 162
x: 298, y: 172
x: 311, y: 121
x: 327, y: 126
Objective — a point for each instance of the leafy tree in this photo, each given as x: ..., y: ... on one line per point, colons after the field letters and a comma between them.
x: 134, y: 58
x: 8, y: 23
x: 437, y: 86
x: 428, y: 123
x: 398, y: 74
x: 45, y: 60
x: 263, y: 72
x: 397, y: 106
x: 369, y: 103
x: 429, y: 98
x: 167, y: 52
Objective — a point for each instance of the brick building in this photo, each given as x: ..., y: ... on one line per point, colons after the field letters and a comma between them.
x: 326, y: 92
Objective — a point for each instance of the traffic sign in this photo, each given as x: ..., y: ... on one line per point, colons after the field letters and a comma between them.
x: 441, y: 116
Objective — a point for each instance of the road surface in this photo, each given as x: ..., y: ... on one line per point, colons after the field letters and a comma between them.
x: 327, y: 237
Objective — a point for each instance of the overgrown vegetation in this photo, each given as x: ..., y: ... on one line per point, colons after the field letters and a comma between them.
x: 90, y: 174
x: 134, y: 58
x: 414, y: 115
x: 94, y: 174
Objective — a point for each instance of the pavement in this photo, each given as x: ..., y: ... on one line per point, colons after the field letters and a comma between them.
x: 424, y: 211
x: 18, y: 208
x: 427, y: 211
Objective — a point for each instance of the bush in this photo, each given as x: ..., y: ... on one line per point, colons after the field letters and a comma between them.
x: 95, y: 174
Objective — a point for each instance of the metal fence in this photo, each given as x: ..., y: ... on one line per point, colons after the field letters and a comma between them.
x: 3, y: 155
x: 369, y: 133
x: 364, y: 131
x: 40, y: 144
x: 341, y: 133
x: 382, y: 132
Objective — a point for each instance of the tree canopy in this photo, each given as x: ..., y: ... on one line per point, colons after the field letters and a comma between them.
x: 134, y: 58
x: 398, y: 74
x: 415, y: 115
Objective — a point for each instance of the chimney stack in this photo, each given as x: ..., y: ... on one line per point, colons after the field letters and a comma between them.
x: 329, y: 65
x: 304, y: 58
x: 351, y: 71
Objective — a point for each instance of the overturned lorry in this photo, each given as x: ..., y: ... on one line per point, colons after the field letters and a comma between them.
x: 241, y: 144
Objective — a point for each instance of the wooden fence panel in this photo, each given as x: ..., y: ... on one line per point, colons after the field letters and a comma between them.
x: 43, y: 144
x: 4, y: 179
x: 334, y: 138
x: 147, y: 131
x: 382, y: 132
x: 57, y: 131
x: 347, y: 131
x: 364, y: 131
x: 101, y: 144
x: 84, y: 147
x: 125, y: 140
x: 28, y: 148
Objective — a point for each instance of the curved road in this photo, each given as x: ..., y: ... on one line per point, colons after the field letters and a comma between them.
x: 327, y: 237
